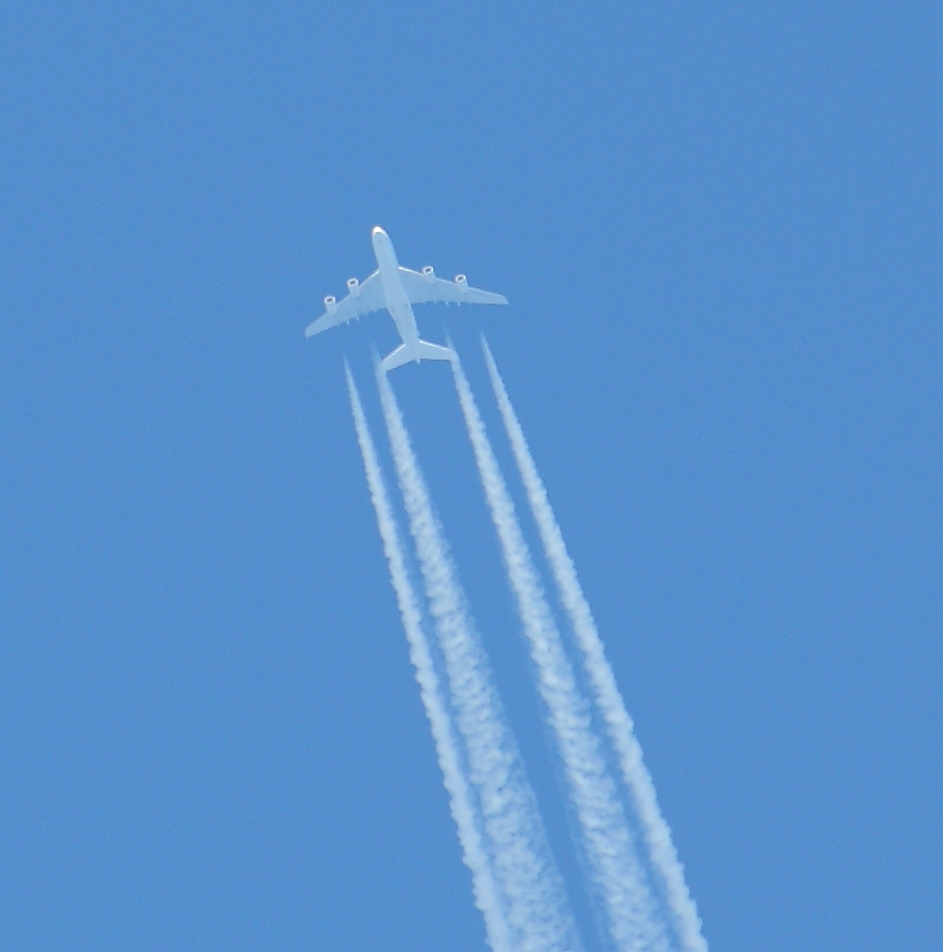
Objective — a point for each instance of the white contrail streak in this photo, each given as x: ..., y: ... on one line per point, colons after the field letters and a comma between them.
x: 532, y: 889
x: 662, y: 855
x: 618, y: 876
x: 461, y: 800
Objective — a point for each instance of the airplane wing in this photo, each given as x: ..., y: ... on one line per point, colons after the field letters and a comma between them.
x: 362, y: 299
x: 426, y: 287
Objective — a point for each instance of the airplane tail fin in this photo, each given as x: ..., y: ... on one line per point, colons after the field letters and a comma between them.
x: 403, y: 355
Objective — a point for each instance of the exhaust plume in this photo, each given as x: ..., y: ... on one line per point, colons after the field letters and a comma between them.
x: 532, y: 889
x: 661, y: 853
x: 606, y: 839
x: 461, y: 801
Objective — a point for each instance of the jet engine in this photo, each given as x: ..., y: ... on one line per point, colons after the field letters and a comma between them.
x: 462, y: 283
x: 428, y: 272
x: 353, y: 286
x: 330, y: 302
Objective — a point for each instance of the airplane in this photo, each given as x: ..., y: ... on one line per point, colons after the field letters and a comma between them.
x: 397, y: 289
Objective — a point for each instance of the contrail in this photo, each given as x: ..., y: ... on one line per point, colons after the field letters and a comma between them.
x: 461, y: 800
x: 662, y: 855
x: 607, y: 841
x: 532, y: 889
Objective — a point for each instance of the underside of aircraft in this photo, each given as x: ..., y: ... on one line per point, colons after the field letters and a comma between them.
x: 397, y: 289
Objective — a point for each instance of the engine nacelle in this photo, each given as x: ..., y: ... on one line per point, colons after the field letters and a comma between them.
x: 330, y: 302
x: 428, y: 272
x: 462, y: 283
x: 353, y: 287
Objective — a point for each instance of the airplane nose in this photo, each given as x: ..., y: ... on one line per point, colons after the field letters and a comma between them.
x: 377, y: 231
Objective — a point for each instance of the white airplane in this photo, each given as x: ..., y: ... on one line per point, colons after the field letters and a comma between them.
x: 398, y: 289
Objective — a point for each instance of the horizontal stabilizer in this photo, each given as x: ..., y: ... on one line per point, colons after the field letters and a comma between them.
x: 424, y: 351
x: 429, y: 351
x: 395, y: 359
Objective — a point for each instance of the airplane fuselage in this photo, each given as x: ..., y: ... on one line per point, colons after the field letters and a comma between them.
x: 396, y: 299
x: 395, y: 289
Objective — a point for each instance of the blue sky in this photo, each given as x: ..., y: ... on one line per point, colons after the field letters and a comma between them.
x: 719, y: 227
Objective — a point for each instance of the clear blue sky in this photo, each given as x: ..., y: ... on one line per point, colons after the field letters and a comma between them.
x: 719, y: 226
